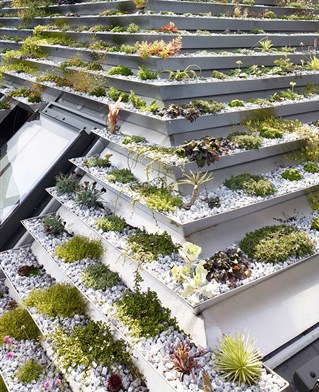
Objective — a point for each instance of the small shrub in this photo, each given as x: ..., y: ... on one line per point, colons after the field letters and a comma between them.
x: 251, y: 184
x: 18, y: 324
x: 272, y: 244
x: 124, y: 176
x: 137, y: 102
x: 235, y: 103
x: 29, y: 371
x: 291, y: 175
x: 133, y: 139
x: 145, y: 74
x: 148, y: 247
x: 88, y: 195
x: 111, y: 223
x: 271, y: 133
x: 120, y: 70
x: 238, y: 359
x: 245, y: 140
x: 99, y: 277
x: 115, y: 94
x: 143, y: 313
x: 133, y: 28
x: 59, y: 300
x: 79, y: 248
x: 97, y: 161
x: 98, y: 91
x: 311, y: 167
x: 66, y: 183
x: 53, y: 224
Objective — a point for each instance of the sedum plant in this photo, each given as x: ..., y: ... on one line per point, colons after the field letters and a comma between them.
x: 99, y: 277
x: 59, y: 300
x: 291, y: 175
x: 29, y: 371
x: 97, y: 161
x: 79, y: 248
x: 120, y: 70
x: 111, y: 223
x: 88, y: 195
x: 238, y: 359
x: 123, y: 176
x: 254, y: 185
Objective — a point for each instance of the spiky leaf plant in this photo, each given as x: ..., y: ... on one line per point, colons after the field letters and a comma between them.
x: 239, y: 359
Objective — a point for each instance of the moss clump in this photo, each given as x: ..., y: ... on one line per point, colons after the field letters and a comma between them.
x: 311, y: 167
x: 99, y: 277
x: 143, y: 313
x: 18, y: 324
x: 29, y: 371
x: 133, y: 139
x: 209, y: 106
x: 245, y: 140
x: 146, y: 74
x: 271, y: 133
x: 219, y: 75
x: 61, y: 299
x: 148, y: 247
x: 111, y: 223
x: 79, y: 248
x: 291, y: 175
x: 254, y: 185
x: 273, y: 244
x: 120, y: 70
x: 159, y: 199
x: 97, y: 161
x: 124, y: 176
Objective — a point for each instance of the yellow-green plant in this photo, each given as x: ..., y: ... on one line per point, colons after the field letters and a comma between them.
x: 313, y: 64
x: 196, y: 180
x: 238, y: 358
x: 190, y: 253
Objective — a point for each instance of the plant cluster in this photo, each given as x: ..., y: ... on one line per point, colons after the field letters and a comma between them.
x: 228, y: 266
x: 29, y: 270
x: 245, y: 140
x: 291, y: 175
x: 123, y: 176
x: 120, y: 70
x: 252, y: 184
x: 115, y: 94
x: 18, y: 324
x: 79, y: 248
x: 311, y: 167
x: 147, y: 247
x: 146, y: 74
x: 58, y: 300
x: 273, y: 244
x: 29, y: 371
x: 133, y: 139
x: 159, y: 48
x: 97, y: 161
x: 111, y: 223
x: 143, y: 313
x: 88, y: 195
x: 99, y: 277
x: 66, y: 183
x: 53, y: 224
x: 32, y: 95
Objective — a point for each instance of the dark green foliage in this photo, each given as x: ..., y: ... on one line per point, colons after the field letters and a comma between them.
x: 111, y: 223
x: 53, y: 224
x: 133, y: 139
x: 120, y: 70
x: 148, y: 247
x: 228, y: 266
x: 190, y: 112
x: 272, y: 244
x: 124, y: 176
x: 97, y: 161
x: 98, y: 91
x: 79, y: 248
x: 99, y: 277
x: 18, y: 324
x: 29, y: 371
x: 59, y: 300
x: 203, y: 151
x: 311, y: 167
x: 88, y: 195
x: 115, y: 94
x: 66, y: 183
x: 146, y: 74
x: 291, y: 175
x: 143, y: 313
x: 252, y: 184
x: 270, y: 133
x: 208, y: 106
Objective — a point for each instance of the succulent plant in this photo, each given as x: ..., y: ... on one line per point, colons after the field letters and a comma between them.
x: 28, y: 270
x: 114, y: 383
x: 53, y: 224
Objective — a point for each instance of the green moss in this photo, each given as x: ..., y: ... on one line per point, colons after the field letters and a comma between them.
x: 245, y: 140
x: 148, y: 247
x: 251, y: 184
x: 73, y: 62
x: 159, y: 199
x: 98, y: 91
x: 115, y: 94
x: 18, y: 324
x: 79, y: 248
x: 208, y: 106
x: 29, y: 371
x: 99, y: 277
x: 111, y: 223
x: 270, y: 133
x: 143, y: 313
x: 133, y: 139
x: 124, y: 176
x: 120, y: 70
x: 291, y: 175
x: 272, y: 244
x: 97, y: 161
x: 311, y: 167
x: 59, y: 300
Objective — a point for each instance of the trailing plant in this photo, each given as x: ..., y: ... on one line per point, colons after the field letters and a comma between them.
x: 58, y: 300
x: 97, y: 161
x: 53, y: 224
x: 291, y: 175
x: 203, y: 152
x: 184, y: 359
x: 99, y: 277
x: 147, y: 247
x: 273, y: 244
x: 88, y: 195
x: 143, y: 314
x: 146, y: 74
x: 123, y: 176
x: 229, y: 266
x: 195, y: 180
x: 111, y: 223
x: 120, y: 70
x: 113, y: 115
x: 66, y: 183
x: 18, y: 324
x: 238, y: 359
x: 29, y: 371
x: 79, y: 248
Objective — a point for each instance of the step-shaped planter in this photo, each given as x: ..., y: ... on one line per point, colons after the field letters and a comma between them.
x: 119, y: 200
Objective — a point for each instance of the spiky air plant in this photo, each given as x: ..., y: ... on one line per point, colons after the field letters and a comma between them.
x: 196, y: 180
x: 113, y: 115
x: 238, y: 358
